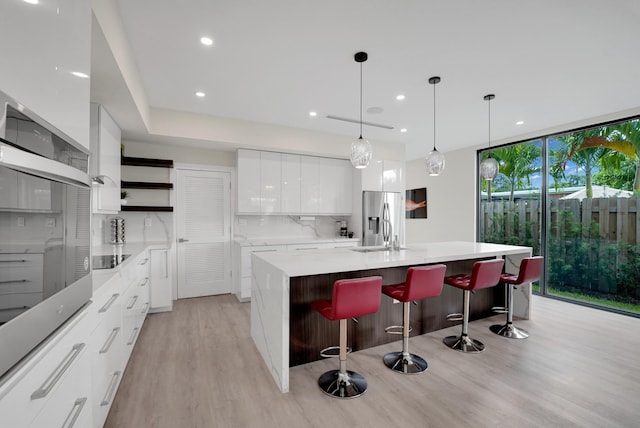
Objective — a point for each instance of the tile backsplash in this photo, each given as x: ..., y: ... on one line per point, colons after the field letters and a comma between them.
x: 280, y: 226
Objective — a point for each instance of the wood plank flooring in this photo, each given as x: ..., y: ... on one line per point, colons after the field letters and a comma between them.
x: 198, y: 367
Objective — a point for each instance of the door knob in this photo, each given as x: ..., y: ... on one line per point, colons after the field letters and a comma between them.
x: 183, y: 240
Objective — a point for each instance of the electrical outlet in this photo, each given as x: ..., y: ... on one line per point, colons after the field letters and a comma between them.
x: 147, y: 222
x: 50, y: 222
x: 20, y: 221
x: 261, y: 222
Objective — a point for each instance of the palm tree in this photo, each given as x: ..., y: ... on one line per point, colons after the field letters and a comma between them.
x: 516, y: 163
x: 584, y: 155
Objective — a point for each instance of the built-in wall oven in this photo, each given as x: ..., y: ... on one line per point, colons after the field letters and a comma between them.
x: 44, y: 231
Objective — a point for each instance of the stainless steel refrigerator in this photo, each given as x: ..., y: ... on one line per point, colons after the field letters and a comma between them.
x: 382, y: 214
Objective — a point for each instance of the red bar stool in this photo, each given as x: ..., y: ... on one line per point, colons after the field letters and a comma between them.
x: 351, y: 298
x: 422, y: 282
x: 485, y: 274
x: 530, y: 271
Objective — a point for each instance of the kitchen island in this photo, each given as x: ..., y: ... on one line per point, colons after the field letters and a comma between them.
x: 287, y: 332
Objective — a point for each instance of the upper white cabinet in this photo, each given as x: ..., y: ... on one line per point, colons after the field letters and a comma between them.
x: 45, y: 44
x: 384, y: 175
x: 270, y: 182
x: 105, y: 161
x: 281, y: 183
x: 291, y: 178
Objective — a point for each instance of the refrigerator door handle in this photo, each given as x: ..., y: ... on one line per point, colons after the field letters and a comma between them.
x: 386, y: 223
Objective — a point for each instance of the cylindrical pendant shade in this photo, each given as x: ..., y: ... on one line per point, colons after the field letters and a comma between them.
x: 360, y: 153
x: 434, y: 162
x: 489, y: 168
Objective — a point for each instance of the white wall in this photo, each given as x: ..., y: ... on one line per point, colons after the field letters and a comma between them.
x: 180, y: 154
x: 451, y: 202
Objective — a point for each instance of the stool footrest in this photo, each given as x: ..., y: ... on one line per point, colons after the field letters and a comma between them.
x: 455, y: 317
x: 396, y: 329
x: 500, y: 309
x: 332, y: 352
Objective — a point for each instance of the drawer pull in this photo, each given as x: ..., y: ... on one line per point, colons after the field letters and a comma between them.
x: 109, y: 342
x: 143, y: 262
x: 144, y: 282
x: 55, y: 376
x: 111, y: 390
x: 134, y: 333
x: 16, y: 308
x: 310, y: 248
x: 107, y: 305
x: 13, y: 261
x: 75, y: 412
x: 146, y: 307
x: 133, y: 302
x: 14, y: 281
x: 263, y: 251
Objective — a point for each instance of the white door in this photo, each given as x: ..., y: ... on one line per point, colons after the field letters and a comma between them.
x: 203, y: 232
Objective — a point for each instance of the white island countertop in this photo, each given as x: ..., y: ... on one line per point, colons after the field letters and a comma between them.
x: 317, y: 262
x: 272, y: 271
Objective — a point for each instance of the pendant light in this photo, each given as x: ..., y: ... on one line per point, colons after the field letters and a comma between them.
x: 489, y: 166
x: 360, y: 149
x: 435, y: 159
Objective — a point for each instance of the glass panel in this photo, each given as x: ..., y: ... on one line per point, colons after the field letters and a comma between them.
x: 593, y: 242
x: 510, y: 205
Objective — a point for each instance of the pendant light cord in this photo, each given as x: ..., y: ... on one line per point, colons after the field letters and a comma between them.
x: 434, y: 117
x: 360, y: 100
x: 489, y: 124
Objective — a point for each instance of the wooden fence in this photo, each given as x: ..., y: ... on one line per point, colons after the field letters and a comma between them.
x: 610, y: 219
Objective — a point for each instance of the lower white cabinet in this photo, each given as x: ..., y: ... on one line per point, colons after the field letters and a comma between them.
x: 160, y: 276
x: 45, y: 390
x: 136, y: 301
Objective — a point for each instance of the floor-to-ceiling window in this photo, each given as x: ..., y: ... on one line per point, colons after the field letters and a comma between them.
x: 574, y: 198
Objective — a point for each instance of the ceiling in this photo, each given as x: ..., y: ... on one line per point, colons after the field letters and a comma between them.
x: 548, y: 62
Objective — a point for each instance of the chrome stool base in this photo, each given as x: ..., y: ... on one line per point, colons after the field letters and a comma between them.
x: 509, y: 330
x: 407, y: 364
x: 342, y: 385
x: 463, y: 344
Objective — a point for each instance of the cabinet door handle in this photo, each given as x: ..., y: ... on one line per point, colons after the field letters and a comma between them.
x: 133, y: 302
x: 111, y: 390
x: 143, y: 262
x: 166, y: 264
x: 146, y: 307
x: 310, y: 248
x: 109, y: 342
x: 78, y: 405
x: 57, y: 373
x: 13, y: 281
x: 144, y: 282
x: 263, y: 251
x: 183, y: 240
x: 14, y: 261
x: 107, y: 305
x: 132, y: 339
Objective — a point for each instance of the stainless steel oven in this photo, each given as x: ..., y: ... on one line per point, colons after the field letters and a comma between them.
x: 44, y: 231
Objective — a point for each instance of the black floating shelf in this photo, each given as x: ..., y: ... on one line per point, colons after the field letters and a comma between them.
x: 145, y: 208
x: 156, y: 163
x: 145, y: 185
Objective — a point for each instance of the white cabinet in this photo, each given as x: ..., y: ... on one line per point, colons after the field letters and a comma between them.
x: 242, y: 271
x: 56, y: 44
x: 136, y: 300
x: 105, y: 161
x: 310, y: 192
x: 281, y: 183
x: 270, y: 177
x: 106, y: 347
x: 249, y: 181
x: 160, y: 279
x: 291, y: 178
x: 384, y: 175
x: 50, y: 383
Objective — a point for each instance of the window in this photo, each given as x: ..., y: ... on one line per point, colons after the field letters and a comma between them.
x: 573, y: 198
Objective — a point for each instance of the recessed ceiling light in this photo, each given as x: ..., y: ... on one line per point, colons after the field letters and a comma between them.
x: 31, y: 1
x: 403, y: 130
x: 400, y: 97
x: 79, y: 74
x: 313, y: 113
x: 520, y: 122
x: 200, y: 94
x: 206, y: 41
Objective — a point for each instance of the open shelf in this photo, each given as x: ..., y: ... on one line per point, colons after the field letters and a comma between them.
x: 145, y: 185
x: 145, y: 208
x: 154, y: 163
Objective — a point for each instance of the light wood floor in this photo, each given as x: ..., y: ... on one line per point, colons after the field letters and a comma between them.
x: 198, y: 367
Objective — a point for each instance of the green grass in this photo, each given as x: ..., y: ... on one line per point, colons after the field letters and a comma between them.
x: 595, y: 300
